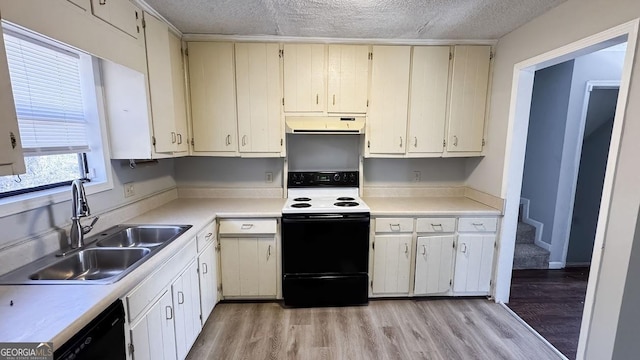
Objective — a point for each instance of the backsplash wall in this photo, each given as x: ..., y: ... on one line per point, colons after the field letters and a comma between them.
x: 436, y: 172
x: 218, y: 172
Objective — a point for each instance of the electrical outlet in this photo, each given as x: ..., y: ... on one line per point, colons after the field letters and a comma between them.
x: 129, y: 190
x: 416, y: 175
x: 268, y: 177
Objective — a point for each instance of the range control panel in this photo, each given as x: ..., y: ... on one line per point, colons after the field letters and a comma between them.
x: 323, y: 178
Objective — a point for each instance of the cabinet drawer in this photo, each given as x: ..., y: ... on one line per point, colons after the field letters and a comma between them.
x: 248, y: 226
x: 142, y: 295
x: 394, y: 225
x: 478, y: 224
x: 436, y: 225
x: 206, y: 235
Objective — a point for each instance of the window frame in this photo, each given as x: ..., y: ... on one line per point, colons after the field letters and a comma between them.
x: 100, y: 171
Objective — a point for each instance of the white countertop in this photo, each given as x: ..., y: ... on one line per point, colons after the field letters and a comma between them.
x: 418, y: 206
x: 56, y: 312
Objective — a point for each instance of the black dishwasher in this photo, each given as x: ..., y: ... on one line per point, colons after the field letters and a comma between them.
x: 101, y: 339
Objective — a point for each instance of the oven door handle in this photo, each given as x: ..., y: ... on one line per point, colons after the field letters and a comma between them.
x: 326, y: 216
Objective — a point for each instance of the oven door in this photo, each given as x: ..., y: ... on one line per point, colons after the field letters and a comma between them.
x: 328, y: 244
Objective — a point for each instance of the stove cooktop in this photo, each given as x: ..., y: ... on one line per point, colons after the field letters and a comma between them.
x: 321, y: 201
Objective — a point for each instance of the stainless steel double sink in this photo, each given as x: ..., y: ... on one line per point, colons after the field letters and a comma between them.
x: 107, y: 258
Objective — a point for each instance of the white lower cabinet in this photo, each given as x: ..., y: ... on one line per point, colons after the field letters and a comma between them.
x: 186, y: 301
x: 392, y: 264
x: 208, y: 280
x: 474, y: 263
x: 154, y: 334
x: 249, y: 266
x: 434, y: 264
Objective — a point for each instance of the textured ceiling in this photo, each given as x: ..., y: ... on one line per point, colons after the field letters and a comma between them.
x: 382, y: 19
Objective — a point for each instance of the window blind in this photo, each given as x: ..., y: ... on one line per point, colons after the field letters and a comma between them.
x: 48, y: 96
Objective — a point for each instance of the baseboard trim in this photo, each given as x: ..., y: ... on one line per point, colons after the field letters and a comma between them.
x: 555, y: 265
x: 578, y: 264
x: 536, y: 224
x: 537, y: 334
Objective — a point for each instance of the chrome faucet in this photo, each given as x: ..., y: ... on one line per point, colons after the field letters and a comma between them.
x: 79, y: 210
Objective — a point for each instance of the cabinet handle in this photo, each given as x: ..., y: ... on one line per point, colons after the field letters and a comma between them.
x: 479, y: 226
x: 434, y: 226
x: 102, y: 2
x: 334, y: 99
x: 424, y: 250
x: 400, y: 141
x: 406, y: 248
x: 244, y: 140
x: 208, y: 236
x: 394, y: 227
x: 180, y: 297
x: 205, y: 268
x: 455, y: 140
x: 415, y: 141
x: 268, y: 252
x: 179, y: 139
x: 317, y: 99
x: 168, y: 312
x: 246, y: 226
x: 463, y: 248
x: 173, y: 137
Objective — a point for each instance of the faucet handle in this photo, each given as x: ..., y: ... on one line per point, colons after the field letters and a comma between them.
x: 86, y: 229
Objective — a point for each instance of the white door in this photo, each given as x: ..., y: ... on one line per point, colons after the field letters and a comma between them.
x: 248, y: 266
x: 153, y: 337
x: 474, y: 262
x: 160, y: 84
x: 434, y: 264
x: 186, y: 301
x: 391, y: 264
x: 304, y: 77
x: 208, y: 281
x: 259, y: 93
x: 428, y: 99
x: 179, y: 88
x: 387, y: 118
x: 348, y: 78
x: 11, y: 158
x: 469, y: 81
x: 213, y: 96
x: 122, y: 14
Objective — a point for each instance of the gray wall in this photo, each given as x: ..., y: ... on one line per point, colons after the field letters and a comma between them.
x: 400, y: 172
x: 593, y: 162
x: 217, y: 172
x: 147, y: 179
x: 545, y: 140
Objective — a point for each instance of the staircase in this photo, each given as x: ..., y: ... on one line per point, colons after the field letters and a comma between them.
x: 527, y: 254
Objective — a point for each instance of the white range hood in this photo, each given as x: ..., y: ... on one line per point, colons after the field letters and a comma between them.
x: 324, y: 125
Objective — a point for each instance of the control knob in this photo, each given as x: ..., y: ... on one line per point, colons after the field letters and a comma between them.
x: 336, y: 177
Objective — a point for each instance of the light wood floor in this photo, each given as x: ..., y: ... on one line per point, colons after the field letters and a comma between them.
x: 385, y: 329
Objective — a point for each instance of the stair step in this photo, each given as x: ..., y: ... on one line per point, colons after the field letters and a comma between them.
x: 526, y: 234
x: 530, y: 256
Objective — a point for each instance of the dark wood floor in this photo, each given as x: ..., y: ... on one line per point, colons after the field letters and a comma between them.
x: 551, y: 301
x: 385, y: 329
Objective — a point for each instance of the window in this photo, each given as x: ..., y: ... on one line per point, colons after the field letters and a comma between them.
x: 49, y: 85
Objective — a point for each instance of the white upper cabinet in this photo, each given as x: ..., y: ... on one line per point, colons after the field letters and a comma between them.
x: 304, y: 77
x: 11, y: 159
x: 428, y: 100
x: 348, y: 78
x: 166, y: 87
x: 469, y: 80
x: 122, y: 14
x: 387, y: 120
x: 213, y: 97
x: 259, y: 97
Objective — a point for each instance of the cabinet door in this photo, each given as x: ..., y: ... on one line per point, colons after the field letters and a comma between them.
x: 213, y: 96
x: 348, y: 78
x: 258, y: 84
x: 153, y: 337
x: 248, y: 266
x: 391, y: 264
x: 434, y: 264
x: 122, y: 14
x: 11, y: 159
x: 178, y: 91
x: 428, y: 99
x: 474, y: 262
x: 469, y: 81
x: 208, y: 281
x: 186, y: 301
x: 387, y: 120
x: 304, y: 77
x: 160, y: 84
